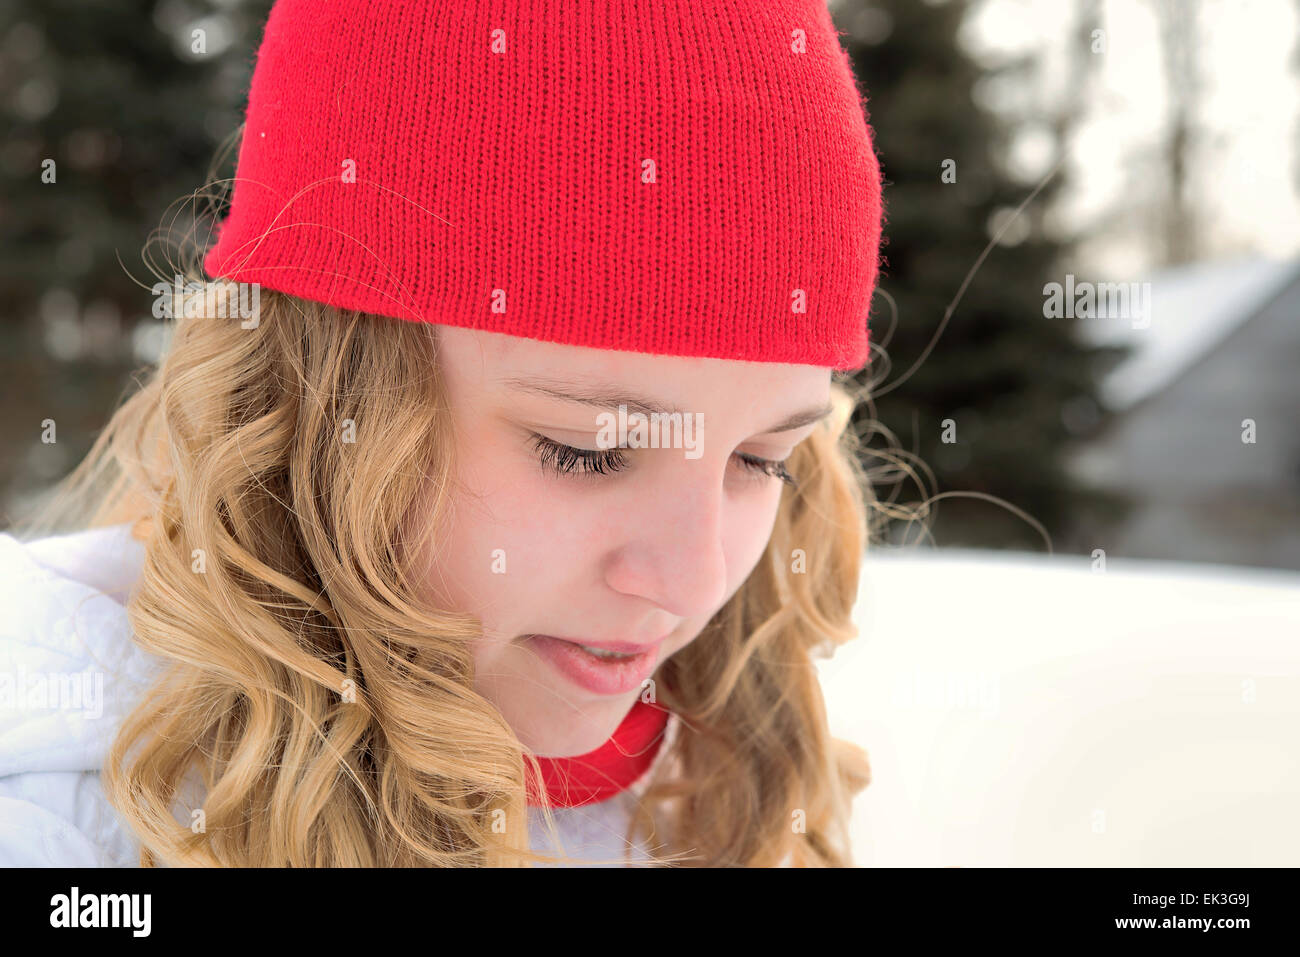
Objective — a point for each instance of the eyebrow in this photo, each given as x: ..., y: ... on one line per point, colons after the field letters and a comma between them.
x: 606, y: 397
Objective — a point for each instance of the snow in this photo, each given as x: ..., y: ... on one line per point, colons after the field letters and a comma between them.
x: 1022, y: 710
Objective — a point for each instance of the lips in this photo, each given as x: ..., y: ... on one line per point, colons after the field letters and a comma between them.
x: 619, y: 647
x: 603, y: 676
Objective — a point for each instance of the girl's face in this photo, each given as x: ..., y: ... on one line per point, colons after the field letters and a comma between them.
x: 643, y: 554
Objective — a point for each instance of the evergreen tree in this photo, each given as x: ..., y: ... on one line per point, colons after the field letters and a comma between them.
x: 114, y: 112
x: 1002, y: 379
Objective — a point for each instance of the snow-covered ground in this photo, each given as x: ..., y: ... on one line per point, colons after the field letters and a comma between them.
x: 1025, y: 710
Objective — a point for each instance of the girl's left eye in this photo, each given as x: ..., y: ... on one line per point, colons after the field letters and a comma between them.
x: 566, y: 460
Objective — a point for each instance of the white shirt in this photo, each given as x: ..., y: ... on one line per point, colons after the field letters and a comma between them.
x: 69, y: 673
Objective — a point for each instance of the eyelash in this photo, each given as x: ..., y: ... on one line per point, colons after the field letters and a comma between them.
x: 566, y: 460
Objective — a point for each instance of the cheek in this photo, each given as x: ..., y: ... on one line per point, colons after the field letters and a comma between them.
x: 749, y: 530
x: 511, y: 538
x: 749, y: 533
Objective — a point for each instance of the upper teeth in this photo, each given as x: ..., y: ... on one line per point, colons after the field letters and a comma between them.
x: 601, y: 653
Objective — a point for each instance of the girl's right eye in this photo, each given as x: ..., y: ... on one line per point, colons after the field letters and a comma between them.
x: 566, y: 460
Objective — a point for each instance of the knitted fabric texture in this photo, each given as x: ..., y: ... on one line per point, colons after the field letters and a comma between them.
x: 676, y: 178
x: 611, y: 768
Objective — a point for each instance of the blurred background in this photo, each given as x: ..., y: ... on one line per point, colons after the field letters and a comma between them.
x: 1149, y: 143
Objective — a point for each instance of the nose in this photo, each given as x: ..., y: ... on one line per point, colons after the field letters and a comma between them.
x: 674, y: 554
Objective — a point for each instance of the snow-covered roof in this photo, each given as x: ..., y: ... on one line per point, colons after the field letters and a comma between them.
x: 1193, y: 309
x: 1021, y: 710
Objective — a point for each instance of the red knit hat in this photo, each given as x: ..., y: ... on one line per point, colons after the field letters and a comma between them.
x: 678, y: 178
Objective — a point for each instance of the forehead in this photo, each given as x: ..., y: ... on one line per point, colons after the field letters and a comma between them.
x: 490, y: 360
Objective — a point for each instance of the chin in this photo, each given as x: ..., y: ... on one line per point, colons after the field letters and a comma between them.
x: 571, y: 733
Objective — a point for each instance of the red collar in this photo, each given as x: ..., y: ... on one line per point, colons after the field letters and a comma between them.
x: 611, y: 768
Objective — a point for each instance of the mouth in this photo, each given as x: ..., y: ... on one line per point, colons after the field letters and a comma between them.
x: 610, y: 669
